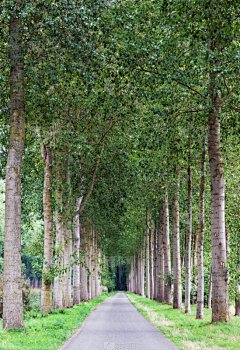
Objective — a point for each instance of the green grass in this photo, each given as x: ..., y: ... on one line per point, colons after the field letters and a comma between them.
x: 48, y: 332
x: 184, y: 330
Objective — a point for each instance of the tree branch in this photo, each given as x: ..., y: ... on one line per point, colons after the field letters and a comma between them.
x: 91, y: 186
x: 84, y: 201
x: 189, y: 87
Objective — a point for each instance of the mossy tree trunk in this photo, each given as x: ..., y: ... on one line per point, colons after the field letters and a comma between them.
x: 177, y: 279
x: 200, y: 293
x: 58, y: 286
x: 76, y: 248
x: 220, y: 302
x: 46, y: 295
x: 167, y: 252
x: 151, y: 263
x: 188, y: 242
x: 12, y: 279
x: 83, y: 269
x: 156, y: 261
x: 142, y: 271
x: 147, y: 258
x: 67, y: 302
x: 161, y: 256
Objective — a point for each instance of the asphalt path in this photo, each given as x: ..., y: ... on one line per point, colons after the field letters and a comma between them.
x: 117, y: 325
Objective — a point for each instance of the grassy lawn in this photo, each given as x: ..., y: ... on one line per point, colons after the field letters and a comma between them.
x: 185, y: 330
x: 48, y: 332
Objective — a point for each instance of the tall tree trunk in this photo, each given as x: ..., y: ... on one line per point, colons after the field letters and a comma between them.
x: 156, y: 261
x: 237, y: 301
x: 183, y: 256
x: 210, y: 291
x: 133, y: 277
x: 195, y: 250
x: 12, y: 279
x: 177, y: 279
x: 237, y: 297
x: 136, y: 275
x: 46, y: 295
x: 96, y: 272
x: 142, y: 271
x: 139, y: 272
x: 147, y: 258
x: 200, y: 293
x: 83, y: 269
x: 76, y: 247
x: 151, y: 264
x: 161, y: 255
x: 130, y: 277
x: 58, y: 288
x: 188, y: 243
x: 220, y: 303
x: 68, y: 270
x: 92, y: 266
x: 68, y: 243
x: 89, y: 260
x: 167, y: 253
x: 194, y: 265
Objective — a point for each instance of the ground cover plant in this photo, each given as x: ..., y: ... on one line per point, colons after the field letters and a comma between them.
x: 184, y: 330
x: 48, y: 332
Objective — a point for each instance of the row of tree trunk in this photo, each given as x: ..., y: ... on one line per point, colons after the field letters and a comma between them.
x: 156, y: 268
x: 81, y: 254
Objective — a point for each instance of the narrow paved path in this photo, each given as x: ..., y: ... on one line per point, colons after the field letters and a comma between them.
x: 117, y: 325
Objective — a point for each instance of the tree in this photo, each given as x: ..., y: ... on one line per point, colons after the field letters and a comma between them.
x: 12, y: 291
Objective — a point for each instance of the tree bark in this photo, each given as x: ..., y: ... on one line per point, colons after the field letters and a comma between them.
x: 130, y: 277
x: 133, y: 276
x: 68, y: 243
x: 177, y: 279
x: 12, y: 279
x: 200, y: 293
x: 161, y: 256
x: 89, y: 261
x: 46, y: 295
x: 210, y: 292
x: 142, y: 272
x: 83, y: 269
x: 139, y: 271
x: 58, y: 288
x: 147, y: 258
x: 136, y: 275
x: 237, y: 297
x: 76, y: 247
x: 156, y: 261
x: 220, y: 303
x: 151, y: 264
x: 167, y: 253
x: 96, y: 272
x: 92, y: 267
x: 188, y: 243
x: 68, y: 269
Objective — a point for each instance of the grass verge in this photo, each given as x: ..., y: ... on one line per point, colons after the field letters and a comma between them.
x: 184, y: 330
x: 48, y: 332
